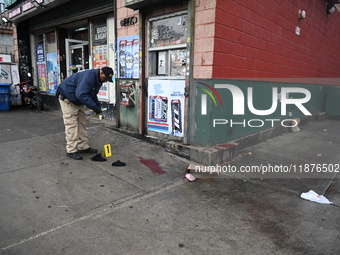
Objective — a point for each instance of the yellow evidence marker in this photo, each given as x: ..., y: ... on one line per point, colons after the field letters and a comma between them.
x: 107, y: 150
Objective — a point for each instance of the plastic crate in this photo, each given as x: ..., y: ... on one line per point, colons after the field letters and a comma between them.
x: 5, y: 98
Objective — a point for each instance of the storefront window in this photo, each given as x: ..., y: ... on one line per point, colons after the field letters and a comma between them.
x: 168, y: 31
x: 99, y: 43
x: 51, y: 45
x: 51, y: 62
x: 39, y: 39
x: 47, y: 64
x: 81, y: 33
x: 167, y: 46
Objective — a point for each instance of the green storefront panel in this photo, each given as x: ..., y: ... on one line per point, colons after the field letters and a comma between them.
x: 333, y: 101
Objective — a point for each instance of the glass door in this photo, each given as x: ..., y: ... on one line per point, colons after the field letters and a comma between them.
x: 77, y: 56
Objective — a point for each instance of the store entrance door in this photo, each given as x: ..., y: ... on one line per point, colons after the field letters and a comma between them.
x: 77, y: 56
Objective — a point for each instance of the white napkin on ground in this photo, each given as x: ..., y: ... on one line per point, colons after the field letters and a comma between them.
x: 315, y: 197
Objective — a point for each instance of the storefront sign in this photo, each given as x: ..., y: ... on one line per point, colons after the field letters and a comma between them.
x: 23, y: 8
x: 100, y: 35
x: 28, y: 5
x: 128, y: 21
x: 14, y: 13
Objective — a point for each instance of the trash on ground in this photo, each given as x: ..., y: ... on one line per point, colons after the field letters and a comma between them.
x: 190, y: 177
x: 295, y: 128
x: 315, y: 197
x: 98, y: 157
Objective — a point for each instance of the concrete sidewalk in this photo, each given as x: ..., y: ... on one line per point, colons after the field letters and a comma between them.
x: 51, y: 204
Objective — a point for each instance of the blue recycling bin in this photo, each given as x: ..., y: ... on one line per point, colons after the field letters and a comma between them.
x: 5, y: 98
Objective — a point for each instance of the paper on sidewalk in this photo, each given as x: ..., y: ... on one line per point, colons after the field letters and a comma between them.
x: 190, y: 177
x: 315, y: 197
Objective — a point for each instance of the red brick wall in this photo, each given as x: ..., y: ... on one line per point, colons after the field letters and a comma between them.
x: 205, y: 11
x: 256, y: 39
x: 122, y: 13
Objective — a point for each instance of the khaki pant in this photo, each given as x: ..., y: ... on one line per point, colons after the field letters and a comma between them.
x: 75, y: 130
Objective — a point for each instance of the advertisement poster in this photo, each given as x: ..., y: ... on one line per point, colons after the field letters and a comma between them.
x: 104, y: 92
x: 59, y: 70
x: 5, y: 74
x: 128, y: 61
x: 15, y: 90
x: 15, y: 74
x: 100, y: 56
x: 166, y: 106
x: 41, y: 66
x: 100, y: 48
x: 52, y: 72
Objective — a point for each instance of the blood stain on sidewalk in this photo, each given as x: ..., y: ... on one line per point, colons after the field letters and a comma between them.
x: 152, y: 165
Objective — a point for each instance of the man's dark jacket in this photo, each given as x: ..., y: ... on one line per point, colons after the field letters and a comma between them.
x: 82, y: 88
